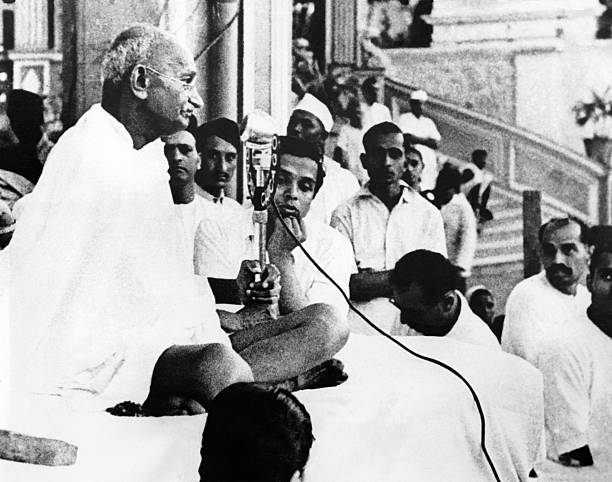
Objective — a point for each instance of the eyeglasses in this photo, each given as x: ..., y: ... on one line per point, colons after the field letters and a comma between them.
x: 187, y: 86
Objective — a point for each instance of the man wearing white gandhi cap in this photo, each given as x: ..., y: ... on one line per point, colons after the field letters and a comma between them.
x: 311, y: 121
x: 422, y: 132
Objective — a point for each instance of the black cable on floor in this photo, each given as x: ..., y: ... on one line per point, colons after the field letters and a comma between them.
x: 401, y: 345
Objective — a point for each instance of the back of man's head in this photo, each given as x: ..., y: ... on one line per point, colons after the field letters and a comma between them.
x: 26, y: 114
x: 479, y: 158
x: 378, y: 130
x: 134, y: 45
x: 256, y: 433
x: 431, y: 271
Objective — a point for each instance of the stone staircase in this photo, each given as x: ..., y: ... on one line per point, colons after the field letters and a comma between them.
x: 520, y: 160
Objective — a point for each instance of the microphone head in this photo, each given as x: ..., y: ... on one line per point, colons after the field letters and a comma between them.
x: 257, y: 127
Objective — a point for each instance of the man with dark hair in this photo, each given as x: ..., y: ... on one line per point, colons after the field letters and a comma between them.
x: 112, y: 311
x: 477, y: 189
x: 578, y: 377
x: 372, y: 111
x: 384, y: 220
x: 414, y: 167
x: 549, y: 303
x: 312, y: 121
x: 221, y: 245
x: 459, y: 221
x: 424, y: 289
x: 25, y: 112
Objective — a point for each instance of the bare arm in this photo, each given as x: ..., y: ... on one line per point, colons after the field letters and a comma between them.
x: 426, y: 141
x: 280, y: 245
x: 367, y: 285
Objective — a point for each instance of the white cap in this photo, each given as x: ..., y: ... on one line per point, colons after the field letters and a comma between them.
x: 310, y: 103
x: 419, y: 95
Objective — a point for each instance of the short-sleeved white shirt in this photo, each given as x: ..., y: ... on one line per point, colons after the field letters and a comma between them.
x: 536, y: 312
x: 339, y: 185
x: 221, y: 245
x: 577, y: 371
x: 423, y: 127
x: 380, y: 237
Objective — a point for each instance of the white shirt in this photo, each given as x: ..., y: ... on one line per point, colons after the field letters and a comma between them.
x: 338, y: 185
x: 221, y: 245
x: 374, y: 114
x: 102, y: 279
x: 469, y: 328
x: 461, y: 233
x: 577, y: 371
x: 536, y: 312
x: 380, y: 237
x: 423, y: 127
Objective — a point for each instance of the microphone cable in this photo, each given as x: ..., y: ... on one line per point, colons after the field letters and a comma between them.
x: 401, y: 345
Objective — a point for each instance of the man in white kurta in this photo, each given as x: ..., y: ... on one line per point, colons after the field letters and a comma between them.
x: 546, y: 305
x: 311, y: 121
x: 422, y: 132
x: 381, y: 234
x: 578, y: 381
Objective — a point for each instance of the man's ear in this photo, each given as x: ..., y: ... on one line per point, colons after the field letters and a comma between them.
x: 199, y: 163
x: 139, y: 82
x: 364, y: 161
x: 448, y: 301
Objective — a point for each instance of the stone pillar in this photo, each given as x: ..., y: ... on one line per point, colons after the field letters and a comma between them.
x: 343, y: 37
x: 31, y: 32
x: 466, y: 21
x: 221, y: 71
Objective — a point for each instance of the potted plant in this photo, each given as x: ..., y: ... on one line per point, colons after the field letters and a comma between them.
x: 595, y: 116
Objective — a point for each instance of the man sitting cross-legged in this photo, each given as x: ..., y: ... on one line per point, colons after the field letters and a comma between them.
x: 312, y: 328
x: 424, y: 291
x: 103, y: 302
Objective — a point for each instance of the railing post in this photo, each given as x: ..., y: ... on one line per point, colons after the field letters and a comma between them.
x: 532, y: 220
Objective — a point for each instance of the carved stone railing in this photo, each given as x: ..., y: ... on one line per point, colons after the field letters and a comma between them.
x: 570, y: 183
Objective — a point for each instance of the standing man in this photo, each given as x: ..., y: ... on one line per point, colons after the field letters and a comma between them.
x: 372, y: 111
x: 414, y: 167
x: 459, y: 222
x: 111, y: 311
x: 311, y: 121
x: 422, y: 132
x: 578, y: 379
x: 383, y: 221
x: 549, y: 303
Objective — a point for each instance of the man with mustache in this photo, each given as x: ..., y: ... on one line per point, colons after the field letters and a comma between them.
x: 221, y: 245
x: 217, y: 144
x: 578, y: 379
x: 383, y: 221
x: 549, y: 303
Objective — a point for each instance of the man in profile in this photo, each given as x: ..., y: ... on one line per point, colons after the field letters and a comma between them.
x: 104, y: 304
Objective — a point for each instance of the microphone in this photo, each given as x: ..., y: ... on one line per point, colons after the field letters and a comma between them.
x: 260, y: 146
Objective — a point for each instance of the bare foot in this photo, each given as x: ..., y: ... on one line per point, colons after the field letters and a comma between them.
x: 158, y: 406
x: 328, y: 374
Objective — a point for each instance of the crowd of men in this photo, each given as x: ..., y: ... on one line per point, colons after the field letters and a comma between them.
x: 120, y: 255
